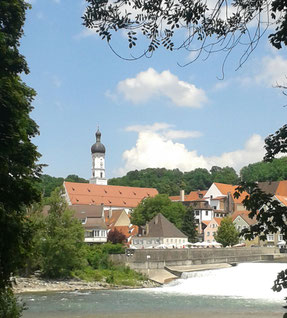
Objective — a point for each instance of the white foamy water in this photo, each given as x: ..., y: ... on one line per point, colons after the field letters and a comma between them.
x: 247, y: 280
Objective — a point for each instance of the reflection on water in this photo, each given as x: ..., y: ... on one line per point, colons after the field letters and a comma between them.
x: 242, y: 291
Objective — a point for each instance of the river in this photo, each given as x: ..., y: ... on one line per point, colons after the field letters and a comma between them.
x: 240, y: 291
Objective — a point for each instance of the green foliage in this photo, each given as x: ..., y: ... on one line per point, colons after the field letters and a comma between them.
x: 48, y: 184
x: 100, y: 268
x: 172, y: 181
x: 277, y: 142
x: 150, y: 207
x: 207, y: 24
x: 274, y: 170
x: 227, y: 233
x: 98, y: 255
x: 197, y: 179
x: 189, y: 225
x: 9, y: 305
x: 164, y: 180
x: 62, y: 244
x: 224, y: 175
x: 19, y: 172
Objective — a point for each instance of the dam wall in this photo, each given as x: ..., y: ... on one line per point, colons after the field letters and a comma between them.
x: 160, y: 258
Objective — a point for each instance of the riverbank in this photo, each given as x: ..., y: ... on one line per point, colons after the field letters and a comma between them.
x: 34, y: 285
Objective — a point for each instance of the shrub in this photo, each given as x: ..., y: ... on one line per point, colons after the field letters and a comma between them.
x: 9, y: 306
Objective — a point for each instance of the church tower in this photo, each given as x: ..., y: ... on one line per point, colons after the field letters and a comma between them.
x: 98, y: 151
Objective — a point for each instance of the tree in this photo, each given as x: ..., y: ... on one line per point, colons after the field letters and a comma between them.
x: 207, y: 25
x: 197, y: 179
x: 189, y: 225
x: 62, y: 245
x: 115, y: 236
x: 19, y: 172
x: 150, y: 207
x: 224, y: 175
x: 227, y: 233
x: 274, y: 170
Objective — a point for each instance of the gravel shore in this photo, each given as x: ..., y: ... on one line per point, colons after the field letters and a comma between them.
x: 35, y: 284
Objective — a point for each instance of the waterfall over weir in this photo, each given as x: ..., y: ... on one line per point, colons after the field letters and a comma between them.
x: 246, y: 280
x: 236, y: 292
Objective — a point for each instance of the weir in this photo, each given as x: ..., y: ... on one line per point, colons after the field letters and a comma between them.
x: 167, y: 264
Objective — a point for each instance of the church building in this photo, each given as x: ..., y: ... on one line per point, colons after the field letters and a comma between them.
x: 98, y: 151
x: 98, y: 192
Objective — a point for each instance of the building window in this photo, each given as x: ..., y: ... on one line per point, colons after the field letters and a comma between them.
x: 214, y: 207
x: 281, y: 237
x: 208, y: 233
x: 206, y: 213
x: 270, y: 237
x: 101, y: 175
x: 196, y: 212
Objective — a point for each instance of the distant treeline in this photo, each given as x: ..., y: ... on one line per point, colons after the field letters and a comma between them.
x: 172, y: 181
x: 49, y: 184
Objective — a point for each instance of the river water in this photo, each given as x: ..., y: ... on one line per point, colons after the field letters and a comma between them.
x: 241, y: 291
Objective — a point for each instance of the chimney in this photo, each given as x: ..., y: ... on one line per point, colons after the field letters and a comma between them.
x: 181, y: 195
x: 110, y: 213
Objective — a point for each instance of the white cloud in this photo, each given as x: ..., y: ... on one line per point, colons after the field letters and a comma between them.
x: 150, y: 84
x: 269, y: 71
x: 165, y: 130
x: 154, y: 149
x: 273, y: 71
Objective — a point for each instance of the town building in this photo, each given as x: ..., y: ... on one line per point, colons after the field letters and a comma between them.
x: 93, y: 220
x: 160, y: 232
x: 221, y: 198
x: 211, y: 229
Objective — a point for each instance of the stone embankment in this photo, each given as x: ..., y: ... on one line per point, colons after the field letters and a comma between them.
x: 35, y: 284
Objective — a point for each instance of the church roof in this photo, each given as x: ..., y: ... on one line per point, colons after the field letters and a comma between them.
x: 98, y: 147
x: 107, y: 195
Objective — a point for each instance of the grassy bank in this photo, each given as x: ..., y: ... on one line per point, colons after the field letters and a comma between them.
x: 115, y: 275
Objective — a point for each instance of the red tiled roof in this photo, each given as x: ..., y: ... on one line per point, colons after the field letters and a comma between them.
x: 217, y: 220
x: 128, y: 231
x: 192, y: 196
x: 282, y: 188
x: 205, y: 222
x: 225, y: 188
x: 282, y: 199
x: 108, y: 195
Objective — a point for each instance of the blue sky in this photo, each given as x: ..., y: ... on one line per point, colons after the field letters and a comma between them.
x: 151, y: 112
